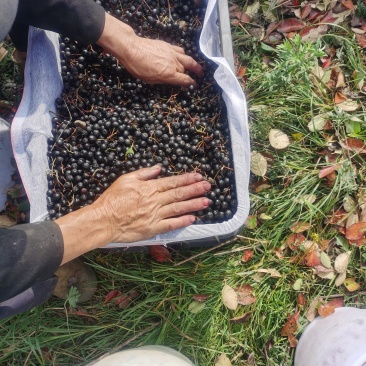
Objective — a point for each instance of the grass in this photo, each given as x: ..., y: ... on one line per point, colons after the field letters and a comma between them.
x: 282, y: 93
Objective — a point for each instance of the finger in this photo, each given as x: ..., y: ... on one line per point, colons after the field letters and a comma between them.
x: 184, y: 193
x: 190, y: 64
x: 180, y: 67
x: 181, y: 208
x: 178, y: 49
x: 182, y: 80
x: 145, y: 173
x: 165, y: 184
x: 175, y: 223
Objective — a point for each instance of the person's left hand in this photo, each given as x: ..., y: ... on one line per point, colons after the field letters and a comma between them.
x: 152, y: 61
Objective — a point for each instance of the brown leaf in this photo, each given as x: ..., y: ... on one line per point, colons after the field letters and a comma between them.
x: 314, y: 14
x: 351, y: 284
x: 339, y: 98
x: 325, y: 310
x: 348, y: 4
x: 294, y: 240
x: 326, y: 62
x: 354, y: 144
x: 328, y: 18
x: 241, y: 318
x: 312, y: 259
x: 160, y: 253
x: 301, y: 300
x: 337, y: 302
x: 361, y: 40
x: 290, y: 326
x: 359, y: 242
x: 242, y: 71
x: 328, y: 170
x: 247, y: 256
x: 292, y: 340
x: 200, y: 297
x: 356, y: 231
x: 245, y: 295
x: 111, y: 295
x: 290, y: 25
x: 338, y: 217
x: 299, y: 227
x: 311, y: 312
x: 229, y: 297
x: 272, y: 27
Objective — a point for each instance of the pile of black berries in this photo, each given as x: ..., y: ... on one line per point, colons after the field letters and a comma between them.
x: 109, y: 123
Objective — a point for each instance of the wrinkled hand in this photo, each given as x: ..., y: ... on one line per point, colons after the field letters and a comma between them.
x: 137, y: 206
x: 152, y: 61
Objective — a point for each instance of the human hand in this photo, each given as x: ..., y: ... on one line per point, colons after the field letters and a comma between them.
x: 137, y: 206
x: 152, y: 61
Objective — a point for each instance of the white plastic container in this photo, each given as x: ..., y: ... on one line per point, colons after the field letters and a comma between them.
x: 145, y: 356
x: 43, y: 84
x: 337, y: 340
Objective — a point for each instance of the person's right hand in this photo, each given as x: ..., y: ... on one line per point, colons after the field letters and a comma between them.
x: 137, y: 206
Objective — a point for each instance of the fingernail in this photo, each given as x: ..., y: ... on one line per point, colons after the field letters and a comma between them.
x: 206, y: 186
x: 198, y: 177
x: 206, y: 201
x: 155, y: 167
x: 192, y: 219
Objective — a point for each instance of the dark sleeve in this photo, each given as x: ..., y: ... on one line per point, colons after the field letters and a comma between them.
x: 81, y: 20
x: 30, y: 254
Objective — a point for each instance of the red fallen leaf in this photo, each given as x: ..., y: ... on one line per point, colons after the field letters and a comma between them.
x: 290, y: 25
x: 160, y: 253
x: 299, y: 227
x: 290, y: 326
x: 359, y: 242
x: 294, y: 240
x: 337, y: 302
x: 292, y: 340
x: 301, y: 300
x: 200, y: 297
x: 328, y: 170
x: 338, y: 217
x: 339, y: 98
x: 331, y: 178
x: 247, y: 256
x: 326, y: 310
x: 348, y: 4
x: 314, y: 14
x: 361, y: 40
x: 326, y: 63
x: 120, y: 299
x: 233, y: 8
x: 312, y: 259
x: 79, y: 311
x: 272, y: 27
x: 356, y: 231
x: 235, y: 22
x: 354, y: 144
x: 242, y: 71
x: 328, y: 18
x: 305, y: 11
x: 111, y: 295
x: 245, y: 295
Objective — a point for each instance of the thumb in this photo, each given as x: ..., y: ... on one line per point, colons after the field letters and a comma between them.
x: 146, y: 173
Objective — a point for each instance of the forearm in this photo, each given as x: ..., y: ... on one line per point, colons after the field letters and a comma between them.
x: 82, y: 231
x: 82, y: 20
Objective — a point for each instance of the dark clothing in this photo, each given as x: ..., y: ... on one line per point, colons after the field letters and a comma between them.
x: 81, y: 20
x: 30, y: 255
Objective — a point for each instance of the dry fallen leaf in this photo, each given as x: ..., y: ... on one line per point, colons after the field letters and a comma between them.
x: 278, y: 139
x: 312, y: 312
x: 351, y: 284
x: 341, y: 262
x: 294, y: 241
x: 325, y: 260
x: 340, y: 279
x: 349, y: 105
x: 297, y: 284
x: 325, y: 273
x: 229, y: 297
x: 356, y: 231
x: 301, y: 300
x: 299, y: 227
x: 354, y: 144
x: 271, y: 271
x: 200, y: 297
x: 312, y: 259
x: 326, y: 310
x: 318, y: 123
x: 247, y: 256
x: 160, y: 253
x: 290, y: 326
x: 290, y: 25
x: 328, y: 170
x: 292, y: 340
x: 245, y: 295
x: 258, y: 164
x: 337, y: 302
x: 349, y: 204
x: 339, y: 98
x: 241, y: 318
x: 222, y: 360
